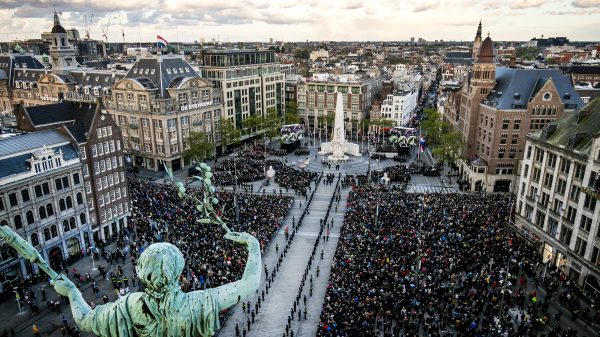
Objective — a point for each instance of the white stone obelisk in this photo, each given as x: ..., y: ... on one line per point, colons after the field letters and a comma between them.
x: 338, y: 146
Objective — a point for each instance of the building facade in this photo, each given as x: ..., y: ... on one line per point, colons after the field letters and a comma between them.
x: 558, y: 193
x: 101, y: 151
x: 316, y: 97
x: 157, y: 104
x: 400, y: 106
x: 251, y: 82
x: 42, y: 198
x: 495, y: 111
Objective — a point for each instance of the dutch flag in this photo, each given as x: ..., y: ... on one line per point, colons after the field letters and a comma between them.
x: 422, y: 144
x: 161, y: 42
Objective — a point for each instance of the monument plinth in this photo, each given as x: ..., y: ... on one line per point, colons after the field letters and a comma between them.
x: 339, y: 147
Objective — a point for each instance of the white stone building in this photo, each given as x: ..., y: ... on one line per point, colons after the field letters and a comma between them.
x: 558, y: 193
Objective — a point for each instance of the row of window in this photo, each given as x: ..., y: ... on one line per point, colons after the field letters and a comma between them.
x: 111, y: 212
x: 110, y: 180
x: 104, y: 132
x: 46, y: 211
x: 105, y: 148
x: 40, y: 190
x: 108, y: 164
x: 52, y: 232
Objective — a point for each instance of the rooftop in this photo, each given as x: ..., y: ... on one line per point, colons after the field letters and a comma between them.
x: 16, y: 144
x: 575, y: 131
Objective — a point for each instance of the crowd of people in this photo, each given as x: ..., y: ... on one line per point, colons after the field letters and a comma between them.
x: 435, y: 265
x: 291, y: 178
x: 302, y: 151
x: 241, y: 169
x: 160, y: 215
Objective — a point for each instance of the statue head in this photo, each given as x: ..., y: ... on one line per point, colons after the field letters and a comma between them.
x: 159, y: 268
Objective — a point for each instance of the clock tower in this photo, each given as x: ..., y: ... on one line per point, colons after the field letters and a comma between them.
x: 62, y: 54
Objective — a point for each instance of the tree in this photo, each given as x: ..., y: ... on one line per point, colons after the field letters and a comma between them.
x: 303, y: 53
x: 450, y: 147
x: 252, y: 123
x: 292, y: 118
x: 229, y: 134
x: 291, y: 107
x: 433, y: 126
x: 272, y: 124
x: 198, y: 147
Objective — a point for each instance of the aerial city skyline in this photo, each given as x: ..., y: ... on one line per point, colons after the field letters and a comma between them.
x: 291, y: 20
x: 357, y: 168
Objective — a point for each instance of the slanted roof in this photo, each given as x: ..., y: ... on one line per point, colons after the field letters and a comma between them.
x: 50, y: 114
x: 17, y: 150
x: 587, y: 127
x: 97, y: 78
x: 77, y: 117
x: 29, y: 141
x: 10, y: 62
x: 160, y: 71
x: 525, y: 82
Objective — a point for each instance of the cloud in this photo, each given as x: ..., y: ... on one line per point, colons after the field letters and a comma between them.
x: 586, y: 3
x: 522, y: 4
x: 423, y: 6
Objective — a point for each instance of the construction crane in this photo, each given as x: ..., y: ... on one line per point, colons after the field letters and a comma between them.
x: 88, y: 25
x: 105, y: 30
x: 122, y: 30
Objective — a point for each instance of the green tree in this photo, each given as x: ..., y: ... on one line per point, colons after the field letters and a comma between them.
x: 229, y: 134
x: 198, y: 147
x: 252, y: 124
x: 433, y: 126
x: 303, y: 53
x: 292, y: 118
x: 449, y: 148
x: 272, y: 124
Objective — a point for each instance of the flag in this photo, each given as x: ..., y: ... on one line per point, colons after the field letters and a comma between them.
x: 161, y: 42
x: 421, y: 144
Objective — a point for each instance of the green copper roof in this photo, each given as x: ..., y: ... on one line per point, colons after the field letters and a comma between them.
x: 568, y: 128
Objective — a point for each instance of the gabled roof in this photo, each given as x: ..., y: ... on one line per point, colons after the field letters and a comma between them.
x: 525, y: 82
x: 567, y: 127
x: 160, y: 71
x: 50, y: 114
x: 76, y: 117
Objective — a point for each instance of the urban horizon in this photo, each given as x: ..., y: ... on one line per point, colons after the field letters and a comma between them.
x: 292, y: 21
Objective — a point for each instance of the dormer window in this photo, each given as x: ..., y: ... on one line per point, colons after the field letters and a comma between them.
x: 152, y: 71
x: 168, y: 71
x: 45, y: 159
x: 135, y: 70
x: 174, y: 70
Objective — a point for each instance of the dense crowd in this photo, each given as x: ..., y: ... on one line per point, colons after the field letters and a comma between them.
x: 243, y: 169
x: 434, y: 265
x: 160, y: 215
x: 291, y: 178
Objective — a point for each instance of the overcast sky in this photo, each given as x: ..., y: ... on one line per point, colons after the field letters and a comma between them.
x: 295, y: 20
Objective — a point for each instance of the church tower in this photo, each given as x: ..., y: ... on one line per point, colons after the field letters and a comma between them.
x: 477, y: 42
x: 62, y: 54
x: 482, y: 81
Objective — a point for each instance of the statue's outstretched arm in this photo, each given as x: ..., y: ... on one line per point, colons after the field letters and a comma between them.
x: 231, y: 293
x: 79, y: 306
